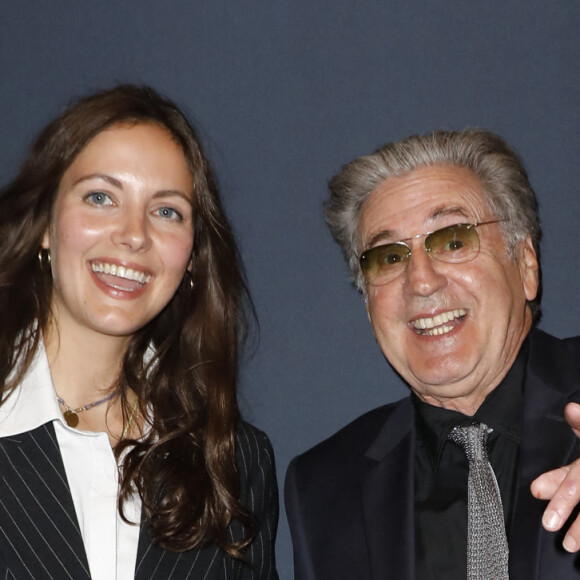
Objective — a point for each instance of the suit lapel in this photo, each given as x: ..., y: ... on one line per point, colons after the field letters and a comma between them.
x: 39, y: 531
x: 547, y: 443
x: 388, y: 495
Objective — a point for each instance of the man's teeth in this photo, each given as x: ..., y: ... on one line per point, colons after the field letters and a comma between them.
x: 121, y: 272
x: 437, y: 325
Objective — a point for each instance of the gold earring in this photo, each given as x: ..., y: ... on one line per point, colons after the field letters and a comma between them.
x: 188, y: 278
x: 44, y: 259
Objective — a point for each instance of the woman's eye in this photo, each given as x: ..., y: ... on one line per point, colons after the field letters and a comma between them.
x: 169, y: 213
x: 98, y: 198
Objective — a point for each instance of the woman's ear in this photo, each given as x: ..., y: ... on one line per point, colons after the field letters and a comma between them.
x: 45, y: 244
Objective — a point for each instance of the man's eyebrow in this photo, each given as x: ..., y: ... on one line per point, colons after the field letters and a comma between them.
x: 443, y: 211
x: 390, y: 235
x: 383, y: 235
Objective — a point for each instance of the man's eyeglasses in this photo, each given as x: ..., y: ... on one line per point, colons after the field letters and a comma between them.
x: 454, y: 244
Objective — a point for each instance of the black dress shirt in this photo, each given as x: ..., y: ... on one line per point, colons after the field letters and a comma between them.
x: 441, y: 471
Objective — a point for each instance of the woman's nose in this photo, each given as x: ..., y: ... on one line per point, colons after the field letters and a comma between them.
x: 132, y: 230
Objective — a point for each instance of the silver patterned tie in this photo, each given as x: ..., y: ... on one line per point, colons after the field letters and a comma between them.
x: 487, y: 548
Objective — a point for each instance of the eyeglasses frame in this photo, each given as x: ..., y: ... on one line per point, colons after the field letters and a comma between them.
x: 404, y: 241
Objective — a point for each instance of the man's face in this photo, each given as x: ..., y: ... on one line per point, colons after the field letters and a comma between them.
x: 476, y: 310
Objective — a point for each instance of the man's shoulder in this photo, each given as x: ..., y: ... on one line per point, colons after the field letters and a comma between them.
x: 350, y: 443
x: 555, y: 361
x: 542, y: 339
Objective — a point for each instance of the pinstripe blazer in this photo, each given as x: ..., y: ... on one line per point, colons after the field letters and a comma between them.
x: 40, y: 536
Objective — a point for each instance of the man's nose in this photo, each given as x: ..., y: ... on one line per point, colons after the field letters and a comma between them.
x: 423, y: 273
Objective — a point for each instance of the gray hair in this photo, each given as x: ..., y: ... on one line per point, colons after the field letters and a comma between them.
x: 501, y: 172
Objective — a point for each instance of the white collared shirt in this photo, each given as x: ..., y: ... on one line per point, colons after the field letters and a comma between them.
x: 91, y: 470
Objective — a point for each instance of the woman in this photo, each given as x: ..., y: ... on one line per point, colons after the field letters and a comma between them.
x: 121, y: 300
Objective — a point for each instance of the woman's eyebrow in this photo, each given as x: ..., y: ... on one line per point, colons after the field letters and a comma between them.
x: 109, y: 179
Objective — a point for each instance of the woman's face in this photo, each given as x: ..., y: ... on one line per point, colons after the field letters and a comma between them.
x: 121, y: 231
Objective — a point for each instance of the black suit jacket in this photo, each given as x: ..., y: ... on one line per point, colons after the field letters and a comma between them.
x: 350, y: 499
x: 40, y: 535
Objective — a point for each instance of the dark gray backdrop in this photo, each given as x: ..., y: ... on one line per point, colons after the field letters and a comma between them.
x: 285, y: 93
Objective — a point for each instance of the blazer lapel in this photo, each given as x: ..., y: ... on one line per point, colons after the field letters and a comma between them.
x: 155, y: 563
x: 547, y: 443
x: 388, y: 495
x: 39, y: 532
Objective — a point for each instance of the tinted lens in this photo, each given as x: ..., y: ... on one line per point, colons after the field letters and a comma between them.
x: 458, y: 243
x: 382, y: 263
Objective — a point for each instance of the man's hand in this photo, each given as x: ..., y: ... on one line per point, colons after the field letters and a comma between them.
x: 562, y: 487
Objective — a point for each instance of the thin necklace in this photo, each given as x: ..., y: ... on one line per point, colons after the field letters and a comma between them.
x: 128, y: 425
x: 71, y: 416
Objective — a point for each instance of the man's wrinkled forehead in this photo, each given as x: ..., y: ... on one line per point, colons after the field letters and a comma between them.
x: 435, y: 195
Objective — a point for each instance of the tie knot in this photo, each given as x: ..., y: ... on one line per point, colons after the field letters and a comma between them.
x: 472, y: 438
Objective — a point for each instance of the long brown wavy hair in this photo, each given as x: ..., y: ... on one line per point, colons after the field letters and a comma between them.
x: 184, y: 467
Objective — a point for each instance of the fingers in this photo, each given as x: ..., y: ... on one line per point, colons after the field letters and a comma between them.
x: 572, y: 415
x: 571, y: 541
x: 562, y: 487
x: 546, y: 485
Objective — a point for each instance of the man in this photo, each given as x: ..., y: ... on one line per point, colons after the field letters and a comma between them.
x: 441, y: 233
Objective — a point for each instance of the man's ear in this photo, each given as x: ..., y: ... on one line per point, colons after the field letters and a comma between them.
x: 529, y: 268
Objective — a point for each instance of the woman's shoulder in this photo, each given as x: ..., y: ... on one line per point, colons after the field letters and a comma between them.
x: 254, y: 454
x: 259, y: 494
x: 251, y: 440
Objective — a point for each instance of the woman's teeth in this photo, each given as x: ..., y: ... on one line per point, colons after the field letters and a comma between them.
x: 120, y: 272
